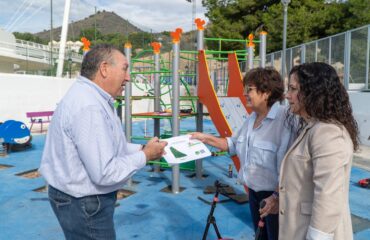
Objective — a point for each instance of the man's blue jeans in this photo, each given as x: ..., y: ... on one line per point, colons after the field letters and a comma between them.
x: 89, y: 217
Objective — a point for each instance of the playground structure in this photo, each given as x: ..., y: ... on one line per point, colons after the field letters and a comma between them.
x: 226, y: 106
x: 134, y: 217
x: 14, y: 136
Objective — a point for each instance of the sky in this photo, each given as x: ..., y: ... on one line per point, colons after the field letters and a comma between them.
x: 149, y: 15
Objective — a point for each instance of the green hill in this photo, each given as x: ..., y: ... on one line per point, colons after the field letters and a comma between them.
x: 106, y: 23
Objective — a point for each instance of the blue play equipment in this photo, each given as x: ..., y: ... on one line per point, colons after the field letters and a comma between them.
x: 15, y: 135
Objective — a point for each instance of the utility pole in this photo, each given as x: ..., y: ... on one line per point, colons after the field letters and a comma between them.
x: 51, y: 38
x: 193, y: 16
x: 95, y: 25
x: 127, y: 30
x: 63, y: 38
x: 283, y: 55
x: 193, y: 36
x: 194, y: 13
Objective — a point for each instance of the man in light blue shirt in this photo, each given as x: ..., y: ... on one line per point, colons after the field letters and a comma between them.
x: 87, y: 157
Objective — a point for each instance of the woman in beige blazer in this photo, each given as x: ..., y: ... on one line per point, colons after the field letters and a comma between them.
x: 314, y: 174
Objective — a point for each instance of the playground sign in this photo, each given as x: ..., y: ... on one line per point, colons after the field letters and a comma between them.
x: 182, y: 149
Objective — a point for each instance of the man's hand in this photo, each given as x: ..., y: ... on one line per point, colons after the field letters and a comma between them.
x: 271, y: 207
x: 154, y: 149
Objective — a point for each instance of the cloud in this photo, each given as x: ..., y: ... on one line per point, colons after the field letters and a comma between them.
x: 149, y: 15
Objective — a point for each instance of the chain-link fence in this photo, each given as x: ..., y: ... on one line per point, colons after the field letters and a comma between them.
x: 347, y: 52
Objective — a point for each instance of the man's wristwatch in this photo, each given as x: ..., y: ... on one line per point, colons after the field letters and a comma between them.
x: 275, y: 195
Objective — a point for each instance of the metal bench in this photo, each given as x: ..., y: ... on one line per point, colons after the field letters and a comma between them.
x: 39, y: 118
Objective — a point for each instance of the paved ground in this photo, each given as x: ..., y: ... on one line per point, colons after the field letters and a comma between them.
x: 149, y: 213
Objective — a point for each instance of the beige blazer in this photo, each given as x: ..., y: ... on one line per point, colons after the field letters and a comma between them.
x: 314, y: 184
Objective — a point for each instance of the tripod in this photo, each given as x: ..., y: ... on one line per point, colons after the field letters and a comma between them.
x: 211, y: 219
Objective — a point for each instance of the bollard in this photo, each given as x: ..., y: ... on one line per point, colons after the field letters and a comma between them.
x: 230, y: 172
x: 3, y: 151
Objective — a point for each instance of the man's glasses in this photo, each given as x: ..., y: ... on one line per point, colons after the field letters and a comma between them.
x: 247, y: 89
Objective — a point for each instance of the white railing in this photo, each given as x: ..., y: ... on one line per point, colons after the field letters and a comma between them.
x: 31, y: 51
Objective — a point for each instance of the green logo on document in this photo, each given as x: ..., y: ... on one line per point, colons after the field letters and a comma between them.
x: 177, y: 153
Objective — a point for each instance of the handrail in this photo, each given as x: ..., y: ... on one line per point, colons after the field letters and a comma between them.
x: 35, y: 50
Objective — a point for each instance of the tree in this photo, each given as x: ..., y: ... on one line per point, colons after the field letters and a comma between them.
x: 307, y: 19
x: 234, y: 19
x: 28, y: 37
x: 89, y: 33
x: 140, y: 39
x: 359, y: 13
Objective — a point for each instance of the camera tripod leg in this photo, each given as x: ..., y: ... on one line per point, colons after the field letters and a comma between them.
x: 212, y: 220
x: 216, y: 229
x: 205, y: 232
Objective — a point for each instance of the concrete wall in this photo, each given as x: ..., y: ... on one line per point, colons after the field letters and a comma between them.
x: 6, y: 67
x: 7, y: 47
x: 7, y: 37
x: 29, y: 93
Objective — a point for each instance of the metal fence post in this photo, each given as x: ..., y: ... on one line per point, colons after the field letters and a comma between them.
x: 303, y: 53
x: 367, y: 58
x: 347, y: 59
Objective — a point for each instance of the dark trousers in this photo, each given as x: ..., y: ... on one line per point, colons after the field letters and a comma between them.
x: 84, y: 218
x: 271, y: 229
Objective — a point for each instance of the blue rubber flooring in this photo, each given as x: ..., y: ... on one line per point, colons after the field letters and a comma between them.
x: 148, y: 213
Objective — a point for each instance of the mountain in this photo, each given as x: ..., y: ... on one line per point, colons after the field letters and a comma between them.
x: 106, y: 22
x: 113, y: 29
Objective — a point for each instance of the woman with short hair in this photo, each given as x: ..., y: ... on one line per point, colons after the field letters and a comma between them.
x: 260, y: 144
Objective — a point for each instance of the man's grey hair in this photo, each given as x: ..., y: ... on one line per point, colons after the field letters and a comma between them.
x: 94, y: 57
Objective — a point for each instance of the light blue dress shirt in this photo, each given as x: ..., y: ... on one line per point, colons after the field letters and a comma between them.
x: 262, y: 149
x: 86, y: 151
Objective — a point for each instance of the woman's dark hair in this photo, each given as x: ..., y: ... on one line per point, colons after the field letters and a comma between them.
x: 94, y: 57
x: 324, y: 96
x: 267, y: 80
